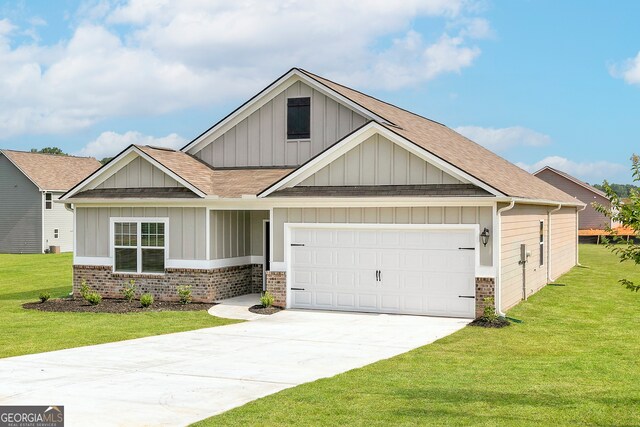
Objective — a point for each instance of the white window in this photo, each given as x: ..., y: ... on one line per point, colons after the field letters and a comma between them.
x: 541, y: 243
x: 139, y: 246
x: 55, y: 233
x: 48, y: 204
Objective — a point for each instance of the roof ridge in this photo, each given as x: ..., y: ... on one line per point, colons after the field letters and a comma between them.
x: 310, y: 74
x: 47, y: 154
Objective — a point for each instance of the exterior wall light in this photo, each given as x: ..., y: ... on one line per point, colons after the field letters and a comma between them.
x: 485, y: 236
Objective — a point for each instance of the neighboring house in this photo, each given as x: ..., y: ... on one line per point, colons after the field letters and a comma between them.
x: 30, y: 221
x: 329, y: 199
x: 589, y: 218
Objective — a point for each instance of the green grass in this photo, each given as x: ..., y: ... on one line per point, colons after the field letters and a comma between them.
x: 574, y: 361
x: 23, y: 277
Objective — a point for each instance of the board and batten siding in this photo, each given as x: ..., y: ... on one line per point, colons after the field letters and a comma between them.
x: 589, y: 218
x: 20, y: 211
x: 187, y: 230
x: 58, y: 217
x: 378, y: 161
x: 139, y: 173
x: 522, y: 225
x: 236, y: 233
x: 374, y: 215
x: 261, y: 138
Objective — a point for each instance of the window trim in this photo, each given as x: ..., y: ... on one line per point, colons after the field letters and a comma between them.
x: 48, y: 201
x: 542, y: 242
x: 138, y: 247
x: 286, y: 129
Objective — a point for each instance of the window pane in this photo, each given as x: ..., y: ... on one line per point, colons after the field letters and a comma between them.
x: 152, y: 234
x: 161, y: 228
x: 298, y: 118
x: 125, y: 234
x: 126, y: 259
x: 153, y: 260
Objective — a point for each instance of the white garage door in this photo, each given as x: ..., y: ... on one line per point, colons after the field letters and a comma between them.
x: 429, y: 272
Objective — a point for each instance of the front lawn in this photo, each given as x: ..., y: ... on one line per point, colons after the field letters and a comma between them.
x: 22, y: 277
x: 574, y: 361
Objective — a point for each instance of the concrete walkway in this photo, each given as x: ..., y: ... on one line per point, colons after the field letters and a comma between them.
x: 237, y: 308
x: 180, y: 378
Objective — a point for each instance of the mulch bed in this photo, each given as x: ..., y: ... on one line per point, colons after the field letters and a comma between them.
x: 77, y: 305
x: 498, y: 323
x: 260, y: 309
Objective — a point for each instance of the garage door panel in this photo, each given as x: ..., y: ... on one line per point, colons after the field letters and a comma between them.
x: 421, y: 271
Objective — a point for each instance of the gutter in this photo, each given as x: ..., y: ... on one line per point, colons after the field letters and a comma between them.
x: 498, y: 298
x: 549, y: 280
x: 577, y: 234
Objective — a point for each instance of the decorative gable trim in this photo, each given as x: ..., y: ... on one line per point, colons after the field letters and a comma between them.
x: 263, y: 97
x: 119, y: 162
x: 357, y: 137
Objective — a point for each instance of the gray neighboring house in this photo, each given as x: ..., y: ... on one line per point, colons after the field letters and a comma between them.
x: 589, y: 218
x: 330, y: 199
x: 30, y: 221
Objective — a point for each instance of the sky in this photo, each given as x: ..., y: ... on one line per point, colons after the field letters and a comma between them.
x: 538, y: 82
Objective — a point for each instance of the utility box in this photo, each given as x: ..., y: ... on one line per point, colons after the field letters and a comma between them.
x: 54, y: 249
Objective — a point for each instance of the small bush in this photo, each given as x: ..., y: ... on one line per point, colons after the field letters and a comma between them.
x: 129, y: 290
x: 93, y: 298
x: 184, y: 294
x: 146, y: 300
x: 266, y: 299
x: 489, y: 312
x: 84, y: 289
x: 44, y: 296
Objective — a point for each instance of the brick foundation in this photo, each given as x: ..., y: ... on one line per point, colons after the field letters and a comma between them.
x: 206, y: 285
x: 277, y: 286
x: 485, y: 287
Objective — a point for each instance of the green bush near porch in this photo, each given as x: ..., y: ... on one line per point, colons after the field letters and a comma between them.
x: 24, y: 277
x: 574, y: 361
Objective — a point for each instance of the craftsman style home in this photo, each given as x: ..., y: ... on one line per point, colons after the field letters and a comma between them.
x: 30, y: 221
x: 329, y: 199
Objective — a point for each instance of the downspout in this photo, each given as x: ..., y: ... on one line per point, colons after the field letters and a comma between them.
x: 577, y: 234
x: 499, y: 263
x: 549, y: 280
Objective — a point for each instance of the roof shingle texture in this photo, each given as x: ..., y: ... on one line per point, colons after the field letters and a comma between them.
x: 227, y: 183
x: 52, y: 172
x: 454, y: 148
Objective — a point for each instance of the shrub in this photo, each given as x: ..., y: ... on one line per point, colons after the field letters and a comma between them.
x: 44, y: 296
x: 184, y: 294
x: 84, y: 289
x: 94, y: 298
x: 146, y: 300
x: 489, y: 312
x: 129, y: 290
x: 266, y: 299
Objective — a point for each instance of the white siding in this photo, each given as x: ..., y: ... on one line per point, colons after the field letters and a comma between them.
x: 139, y: 173
x: 405, y: 215
x: 261, y: 138
x: 187, y: 230
x: 58, y: 217
x: 378, y: 161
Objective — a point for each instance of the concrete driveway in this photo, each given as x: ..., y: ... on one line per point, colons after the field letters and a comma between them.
x: 180, y: 378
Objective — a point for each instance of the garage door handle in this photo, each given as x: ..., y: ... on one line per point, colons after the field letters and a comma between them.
x: 466, y: 296
x: 297, y: 244
x: 297, y: 289
x: 467, y: 249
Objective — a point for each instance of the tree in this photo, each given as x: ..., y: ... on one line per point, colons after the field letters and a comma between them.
x: 49, y: 150
x: 627, y: 214
x: 622, y: 190
x: 105, y: 160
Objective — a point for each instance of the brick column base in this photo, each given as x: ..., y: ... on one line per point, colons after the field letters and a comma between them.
x: 277, y: 286
x: 485, y: 287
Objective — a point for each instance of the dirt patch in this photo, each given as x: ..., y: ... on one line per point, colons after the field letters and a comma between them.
x: 260, y: 309
x: 498, y: 323
x: 76, y: 305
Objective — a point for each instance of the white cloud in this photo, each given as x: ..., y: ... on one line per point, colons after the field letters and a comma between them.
x: 108, y: 144
x: 629, y: 70
x: 499, y: 139
x: 592, y: 172
x: 148, y: 57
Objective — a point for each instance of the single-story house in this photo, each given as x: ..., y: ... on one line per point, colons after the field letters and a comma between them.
x: 590, y: 219
x: 329, y: 199
x: 30, y: 221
